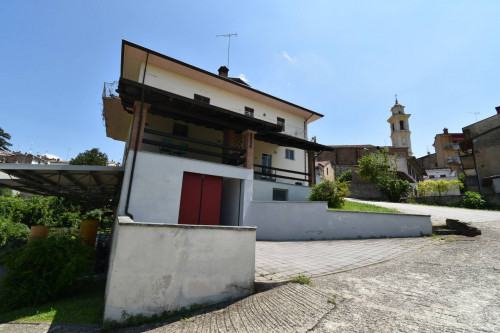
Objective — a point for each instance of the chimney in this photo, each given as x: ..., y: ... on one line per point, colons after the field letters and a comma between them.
x: 445, y: 130
x: 498, y: 109
x: 223, y: 70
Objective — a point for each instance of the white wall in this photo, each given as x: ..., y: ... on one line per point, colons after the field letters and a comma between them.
x: 263, y: 191
x: 161, y: 267
x: 280, y: 220
x: 157, y: 184
x: 187, y: 87
x: 278, y: 160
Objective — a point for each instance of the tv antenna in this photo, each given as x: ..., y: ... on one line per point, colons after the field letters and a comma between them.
x: 475, y: 113
x: 228, y: 44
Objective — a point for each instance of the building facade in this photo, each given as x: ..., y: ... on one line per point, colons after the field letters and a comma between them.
x: 400, y: 127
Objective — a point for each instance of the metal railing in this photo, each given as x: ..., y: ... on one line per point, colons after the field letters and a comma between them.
x: 110, y: 89
x: 269, y: 173
x: 454, y: 146
x: 180, y: 146
x: 453, y: 160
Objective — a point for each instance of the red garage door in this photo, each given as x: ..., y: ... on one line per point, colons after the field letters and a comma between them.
x: 200, y: 199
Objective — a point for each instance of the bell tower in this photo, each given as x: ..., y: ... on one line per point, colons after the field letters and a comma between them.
x: 400, y: 127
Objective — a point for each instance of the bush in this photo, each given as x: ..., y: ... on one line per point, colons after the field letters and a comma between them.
x: 334, y: 192
x: 345, y: 176
x: 12, y: 231
x: 395, y: 189
x: 472, y: 200
x: 44, y: 270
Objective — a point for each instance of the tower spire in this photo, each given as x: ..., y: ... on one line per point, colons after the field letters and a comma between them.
x: 396, y: 95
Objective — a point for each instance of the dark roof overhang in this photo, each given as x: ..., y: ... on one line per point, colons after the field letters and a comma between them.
x: 85, y: 183
x: 290, y: 141
x: 182, y: 108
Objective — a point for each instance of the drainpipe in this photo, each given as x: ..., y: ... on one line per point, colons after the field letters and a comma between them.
x: 141, y: 112
x: 305, y: 137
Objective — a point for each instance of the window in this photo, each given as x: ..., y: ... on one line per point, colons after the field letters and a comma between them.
x: 402, y: 124
x: 281, y: 122
x: 442, y: 176
x: 200, y: 98
x: 392, y: 127
x: 248, y: 111
x: 180, y: 130
x: 431, y: 176
x: 289, y: 154
x: 280, y: 194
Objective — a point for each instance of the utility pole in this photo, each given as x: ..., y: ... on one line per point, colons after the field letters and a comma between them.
x: 228, y: 44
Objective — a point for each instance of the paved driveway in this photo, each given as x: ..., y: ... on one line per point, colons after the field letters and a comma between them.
x: 279, y: 261
x: 440, y: 214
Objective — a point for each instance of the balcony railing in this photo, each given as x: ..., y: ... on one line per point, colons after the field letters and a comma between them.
x: 179, y: 145
x: 269, y: 173
x: 452, y: 146
x: 110, y: 89
x: 453, y: 160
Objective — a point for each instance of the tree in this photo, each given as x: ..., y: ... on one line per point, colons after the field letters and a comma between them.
x: 380, y: 168
x: 90, y: 157
x: 4, y: 144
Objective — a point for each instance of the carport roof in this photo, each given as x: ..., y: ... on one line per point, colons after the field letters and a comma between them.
x: 98, y: 184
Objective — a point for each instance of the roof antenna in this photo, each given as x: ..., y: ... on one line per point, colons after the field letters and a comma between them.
x: 228, y: 44
x: 475, y: 113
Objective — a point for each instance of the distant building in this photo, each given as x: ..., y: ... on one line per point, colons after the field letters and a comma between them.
x: 325, y: 170
x: 447, y: 147
x: 481, y: 157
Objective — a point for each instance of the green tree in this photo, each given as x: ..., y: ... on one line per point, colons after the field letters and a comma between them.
x: 90, y: 157
x: 380, y: 168
x: 4, y: 144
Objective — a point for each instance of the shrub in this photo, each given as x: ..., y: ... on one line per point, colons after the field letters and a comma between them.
x: 334, y: 192
x: 12, y: 231
x: 44, y: 270
x: 345, y: 176
x: 472, y: 200
x: 395, y: 189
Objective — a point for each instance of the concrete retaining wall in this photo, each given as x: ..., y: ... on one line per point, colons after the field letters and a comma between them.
x: 282, y: 221
x: 164, y: 267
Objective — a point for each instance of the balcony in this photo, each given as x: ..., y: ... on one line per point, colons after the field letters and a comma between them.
x: 167, y: 143
x: 453, y: 160
x: 263, y: 172
x: 452, y: 146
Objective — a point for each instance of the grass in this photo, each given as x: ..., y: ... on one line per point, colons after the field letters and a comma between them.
x: 362, y: 207
x: 301, y: 279
x: 84, y: 308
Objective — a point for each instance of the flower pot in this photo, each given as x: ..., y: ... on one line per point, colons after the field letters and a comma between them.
x: 88, y: 231
x: 38, y: 232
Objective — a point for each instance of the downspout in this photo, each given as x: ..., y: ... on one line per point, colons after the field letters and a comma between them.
x: 141, y: 112
x: 305, y: 137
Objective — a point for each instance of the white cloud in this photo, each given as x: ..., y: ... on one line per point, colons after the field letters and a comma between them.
x: 287, y: 56
x: 243, y: 77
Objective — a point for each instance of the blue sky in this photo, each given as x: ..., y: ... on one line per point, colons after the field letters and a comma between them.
x: 344, y: 59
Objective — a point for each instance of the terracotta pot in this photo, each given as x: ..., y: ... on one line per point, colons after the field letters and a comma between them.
x: 38, y: 232
x: 88, y: 231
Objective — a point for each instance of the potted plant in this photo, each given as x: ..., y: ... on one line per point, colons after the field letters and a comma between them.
x: 88, y: 228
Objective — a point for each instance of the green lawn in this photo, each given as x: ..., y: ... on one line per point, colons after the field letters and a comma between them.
x: 362, y: 207
x: 84, y: 308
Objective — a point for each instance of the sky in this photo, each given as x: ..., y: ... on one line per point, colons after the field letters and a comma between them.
x: 343, y: 59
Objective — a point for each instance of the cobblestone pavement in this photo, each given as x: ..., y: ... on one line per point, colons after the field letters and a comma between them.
x: 279, y: 261
x: 440, y: 214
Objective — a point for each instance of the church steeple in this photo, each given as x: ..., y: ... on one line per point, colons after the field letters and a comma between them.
x: 400, y: 127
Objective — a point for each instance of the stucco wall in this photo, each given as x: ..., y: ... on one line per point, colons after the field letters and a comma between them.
x: 312, y: 220
x: 160, y: 267
x: 157, y: 184
x: 263, y: 191
x: 187, y: 87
